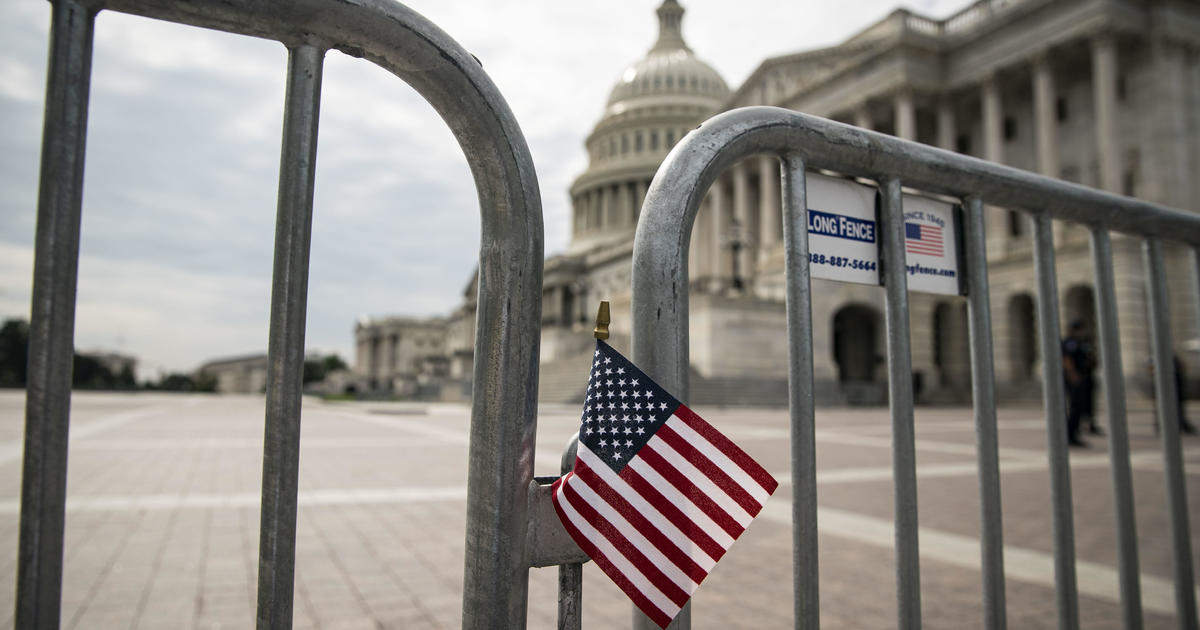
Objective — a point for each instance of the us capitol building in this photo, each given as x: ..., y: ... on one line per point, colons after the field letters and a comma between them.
x: 1105, y: 93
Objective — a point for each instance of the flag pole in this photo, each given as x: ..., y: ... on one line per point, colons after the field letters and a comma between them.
x: 602, y: 321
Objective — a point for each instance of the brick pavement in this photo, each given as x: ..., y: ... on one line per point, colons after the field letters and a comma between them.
x: 162, y: 525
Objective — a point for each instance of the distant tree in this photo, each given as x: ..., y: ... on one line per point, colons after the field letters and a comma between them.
x: 125, y: 379
x: 14, y: 352
x: 91, y: 373
x: 314, y: 370
x: 176, y: 383
x: 334, y: 363
x: 204, y: 382
x: 317, y: 368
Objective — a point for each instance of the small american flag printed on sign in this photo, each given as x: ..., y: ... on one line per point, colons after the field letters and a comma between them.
x: 923, y: 239
x: 657, y: 495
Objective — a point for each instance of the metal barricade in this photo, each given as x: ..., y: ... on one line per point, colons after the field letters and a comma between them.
x: 503, y: 415
x: 801, y: 142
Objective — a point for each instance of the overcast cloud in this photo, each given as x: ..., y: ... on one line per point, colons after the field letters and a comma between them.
x: 183, y: 152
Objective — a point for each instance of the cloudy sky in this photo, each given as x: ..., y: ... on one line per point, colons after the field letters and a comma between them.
x: 183, y: 155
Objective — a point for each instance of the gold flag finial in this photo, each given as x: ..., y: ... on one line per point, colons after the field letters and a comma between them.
x: 602, y: 320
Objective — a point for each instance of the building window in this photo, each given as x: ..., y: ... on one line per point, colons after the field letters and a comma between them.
x: 963, y: 144
x: 1061, y: 110
x: 654, y: 140
x: 1016, y: 224
x: 612, y: 147
x: 1129, y: 179
x: 670, y: 81
x: 670, y: 138
x: 1010, y: 128
x: 693, y: 83
x: 624, y: 144
x: 637, y: 142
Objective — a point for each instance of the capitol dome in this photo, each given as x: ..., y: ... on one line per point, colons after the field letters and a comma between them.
x: 654, y: 103
x: 669, y: 70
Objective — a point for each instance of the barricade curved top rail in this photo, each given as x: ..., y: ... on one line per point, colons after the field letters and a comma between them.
x: 660, y: 330
x: 504, y: 409
x: 673, y: 199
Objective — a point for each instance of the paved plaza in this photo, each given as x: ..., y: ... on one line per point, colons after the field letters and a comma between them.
x: 162, y: 520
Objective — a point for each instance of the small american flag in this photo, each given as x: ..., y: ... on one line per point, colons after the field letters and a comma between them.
x: 657, y: 495
x: 923, y: 239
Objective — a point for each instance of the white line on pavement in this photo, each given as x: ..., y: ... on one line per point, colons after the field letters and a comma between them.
x: 1026, y: 565
x: 256, y: 444
x: 852, y: 439
x: 307, y: 498
x: 10, y: 451
x: 545, y: 460
x: 1147, y: 460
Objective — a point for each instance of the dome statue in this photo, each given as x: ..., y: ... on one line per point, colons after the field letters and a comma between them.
x: 652, y: 106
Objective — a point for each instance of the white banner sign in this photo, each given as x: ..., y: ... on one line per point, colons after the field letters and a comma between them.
x: 843, y: 237
x: 930, y: 249
x: 843, y: 242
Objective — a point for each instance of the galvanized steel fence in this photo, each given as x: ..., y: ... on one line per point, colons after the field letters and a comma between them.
x: 660, y: 333
x: 503, y: 416
x: 510, y: 524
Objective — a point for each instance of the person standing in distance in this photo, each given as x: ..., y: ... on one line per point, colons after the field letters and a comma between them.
x: 1078, y: 364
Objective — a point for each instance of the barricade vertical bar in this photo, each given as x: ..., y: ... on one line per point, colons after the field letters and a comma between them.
x: 805, y: 577
x: 570, y: 576
x: 1168, y: 422
x: 983, y: 386
x: 1056, y: 433
x: 1108, y: 332
x: 52, y: 321
x: 289, y: 301
x: 900, y: 395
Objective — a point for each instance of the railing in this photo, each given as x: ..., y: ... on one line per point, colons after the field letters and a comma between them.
x: 503, y: 416
x: 660, y: 334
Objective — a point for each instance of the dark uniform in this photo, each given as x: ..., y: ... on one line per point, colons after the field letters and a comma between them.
x: 1078, y: 355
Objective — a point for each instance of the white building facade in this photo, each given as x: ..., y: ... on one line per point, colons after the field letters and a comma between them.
x: 1105, y: 93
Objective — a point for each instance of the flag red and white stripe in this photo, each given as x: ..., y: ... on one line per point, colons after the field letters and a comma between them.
x: 920, y: 238
x: 656, y: 519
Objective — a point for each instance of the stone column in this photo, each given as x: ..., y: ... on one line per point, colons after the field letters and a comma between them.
x: 1104, y: 95
x: 387, y: 356
x: 607, y: 214
x: 595, y: 210
x: 631, y: 203
x: 373, y: 367
x: 362, y: 358
x: 993, y: 150
x: 717, y: 227
x: 1045, y: 122
x: 862, y: 117
x: 770, y: 212
x: 619, y: 201
x: 993, y: 121
x: 906, y: 116
x: 742, y: 210
x: 1044, y: 115
x: 1166, y: 172
x: 946, y: 125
